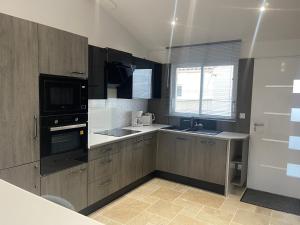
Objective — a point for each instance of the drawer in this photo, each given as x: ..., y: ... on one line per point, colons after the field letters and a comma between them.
x: 102, y: 151
x: 107, y: 165
x: 103, y: 187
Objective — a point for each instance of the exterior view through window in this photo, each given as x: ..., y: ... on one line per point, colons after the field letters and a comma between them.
x: 206, y: 91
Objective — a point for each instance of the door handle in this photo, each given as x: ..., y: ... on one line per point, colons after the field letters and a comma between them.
x: 258, y: 125
x: 35, y: 135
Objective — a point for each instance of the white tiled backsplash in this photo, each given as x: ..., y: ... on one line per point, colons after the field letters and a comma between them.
x: 113, y: 112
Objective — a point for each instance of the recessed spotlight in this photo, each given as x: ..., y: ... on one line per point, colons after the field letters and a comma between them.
x: 173, y: 23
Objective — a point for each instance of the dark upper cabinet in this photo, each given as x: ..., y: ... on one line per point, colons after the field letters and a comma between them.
x: 146, y: 79
x: 133, y: 77
x: 97, y: 74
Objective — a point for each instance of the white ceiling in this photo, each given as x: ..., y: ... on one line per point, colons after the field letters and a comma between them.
x: 205, y: 20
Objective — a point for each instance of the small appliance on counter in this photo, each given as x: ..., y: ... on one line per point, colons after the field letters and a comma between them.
x: 147, y: 119
x: 63, y: 122
x: 142, y: 119
x: 136, y: 118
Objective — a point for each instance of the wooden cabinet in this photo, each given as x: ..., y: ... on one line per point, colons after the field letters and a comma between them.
x: 180, y: 157
x: 26, y: 177
x: 62, y: 53
x: 97, y: 72
x: 208, y: 160
x: 165, y: 149
x: 195, y: 157
x: 104, y: 172
x: 19, y: 140
x: 149, y: 153
x: 137, y: 147
x: 70, y: 184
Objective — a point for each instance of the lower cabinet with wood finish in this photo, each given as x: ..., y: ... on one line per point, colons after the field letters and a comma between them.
x: 70, y: 184
x: 191, y: 156
x: 26, y: 177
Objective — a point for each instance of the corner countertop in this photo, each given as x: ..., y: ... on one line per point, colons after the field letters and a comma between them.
x: 22, y: 207
x: 96, y: 140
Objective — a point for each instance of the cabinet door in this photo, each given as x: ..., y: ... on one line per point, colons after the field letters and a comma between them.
x: 127, y: 166
x: 166, y: 145
x: 26, y: 177
x: 179, y: 159
x: 19, y: 142
x: 97, y: 74
x: 70, y: 184
x: 62, y: 53
x: 208, y: 160
x: 149, y: 154
x: 137, y: 151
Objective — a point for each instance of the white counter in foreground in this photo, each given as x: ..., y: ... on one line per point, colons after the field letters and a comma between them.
x: 19, y: 207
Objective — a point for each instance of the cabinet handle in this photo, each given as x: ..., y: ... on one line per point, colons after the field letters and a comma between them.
x: 35, y: 127
x: 107, y: 150
x: 105, y: 182
x: 79, y: 73
x: 211, y: 142
x: 105, y: 161
x: 82, y: 170
x: 180, y: 138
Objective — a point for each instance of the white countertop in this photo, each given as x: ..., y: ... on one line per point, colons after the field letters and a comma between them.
x: 96, y: 140
x: 223, y: 135
x: 20, y: 207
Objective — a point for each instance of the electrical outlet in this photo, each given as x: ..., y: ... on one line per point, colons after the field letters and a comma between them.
x: 242, y: 116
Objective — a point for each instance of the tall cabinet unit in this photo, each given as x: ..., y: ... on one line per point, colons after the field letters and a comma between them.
x: 62, y: 53
x: 19, y: 140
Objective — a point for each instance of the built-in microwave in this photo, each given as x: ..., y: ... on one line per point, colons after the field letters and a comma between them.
x: 62, y: 95
x: 63, y: 142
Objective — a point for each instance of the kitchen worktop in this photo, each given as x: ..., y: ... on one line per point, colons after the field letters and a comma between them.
x: 22, y: 207
x: 96, y: 140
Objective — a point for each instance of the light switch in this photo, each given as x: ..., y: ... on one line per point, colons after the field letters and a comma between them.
x: 242, y: 116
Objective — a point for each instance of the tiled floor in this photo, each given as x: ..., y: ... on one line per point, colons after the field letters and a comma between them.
x: 161, y: 202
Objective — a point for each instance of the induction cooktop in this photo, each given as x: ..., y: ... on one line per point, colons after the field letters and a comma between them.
x: 118, y: 132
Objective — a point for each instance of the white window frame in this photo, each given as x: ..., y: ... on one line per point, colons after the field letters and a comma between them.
x: 172, y: 111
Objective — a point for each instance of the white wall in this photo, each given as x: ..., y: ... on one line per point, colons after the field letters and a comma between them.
x: 113, y: 113
x: 83, y: 17
x: 261, y: 49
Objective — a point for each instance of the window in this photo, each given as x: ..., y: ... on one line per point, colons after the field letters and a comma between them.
x: 204, y: 79
x: 204, y: 91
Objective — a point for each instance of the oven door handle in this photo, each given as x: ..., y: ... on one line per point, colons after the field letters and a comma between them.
x: 67, y: 127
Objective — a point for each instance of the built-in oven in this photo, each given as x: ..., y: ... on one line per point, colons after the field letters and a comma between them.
x: 63, y: 142
x: 62, y: 95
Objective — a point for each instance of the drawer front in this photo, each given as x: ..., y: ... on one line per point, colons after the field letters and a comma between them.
x: 103, y: 151
x: 103, y: 187
x: 107, y: 165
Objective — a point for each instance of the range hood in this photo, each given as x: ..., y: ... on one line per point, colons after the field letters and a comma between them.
x: 118, y: 73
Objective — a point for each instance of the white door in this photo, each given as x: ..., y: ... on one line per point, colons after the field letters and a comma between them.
x: 274, y: 157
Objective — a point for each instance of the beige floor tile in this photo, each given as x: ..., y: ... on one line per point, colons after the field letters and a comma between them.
x: 245, y: 217
x: 263, y: 211
x: 284, y: 218
x: 215, y: 216
x: 165, y: 209
x: 166, y: 194
x: 125, y: 210
x: 166, y: 183
x: 247, y: 207
x: 185, y: 220
x: 230, y: 206
x: 204, y: 198
x: 148, y: 218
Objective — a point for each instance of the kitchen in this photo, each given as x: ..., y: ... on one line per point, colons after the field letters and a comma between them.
x: 100, y: 121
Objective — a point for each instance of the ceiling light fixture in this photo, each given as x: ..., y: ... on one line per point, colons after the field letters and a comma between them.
x: 173, y: 23
x: 262, y: 9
